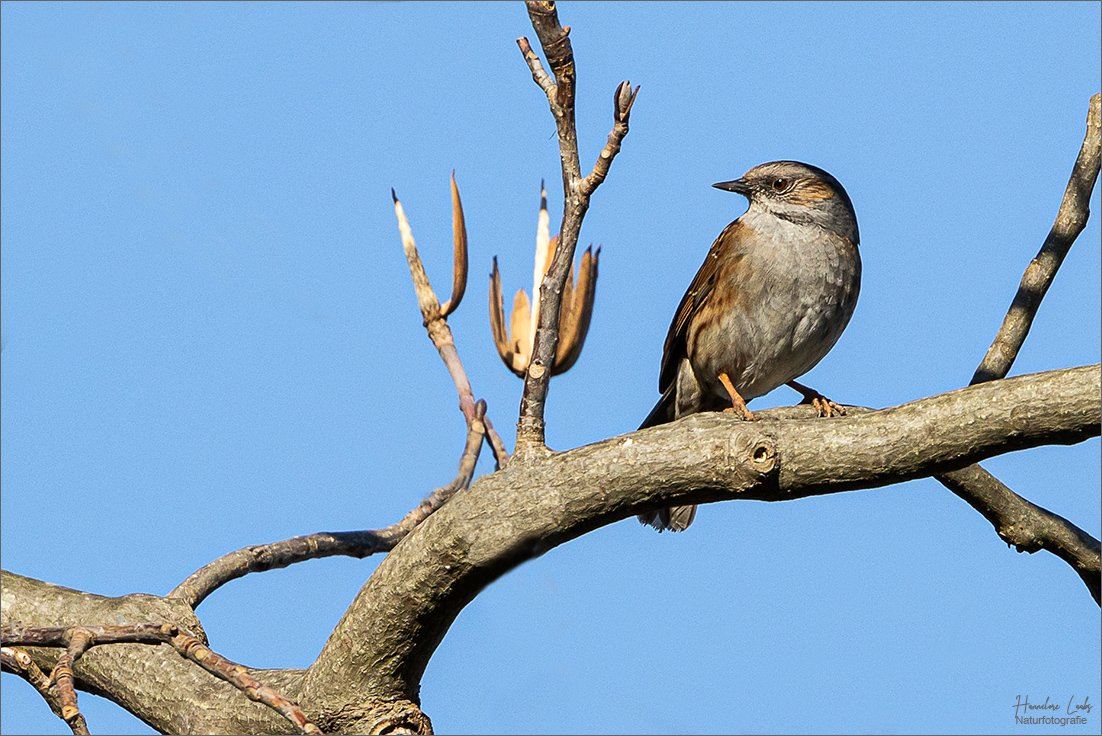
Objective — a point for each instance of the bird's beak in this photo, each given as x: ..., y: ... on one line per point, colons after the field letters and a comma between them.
x: 739, y: 186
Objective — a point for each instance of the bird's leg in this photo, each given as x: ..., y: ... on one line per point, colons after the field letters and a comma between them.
x: 738, y: 406
x: 822, y: 404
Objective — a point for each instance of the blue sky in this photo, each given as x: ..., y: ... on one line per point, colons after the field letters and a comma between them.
x: 211, y: 340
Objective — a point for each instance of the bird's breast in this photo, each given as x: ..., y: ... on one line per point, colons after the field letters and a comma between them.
x: 776, y: 309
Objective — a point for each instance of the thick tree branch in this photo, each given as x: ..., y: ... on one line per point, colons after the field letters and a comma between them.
x: 379, y: 650
x: 386, y: 638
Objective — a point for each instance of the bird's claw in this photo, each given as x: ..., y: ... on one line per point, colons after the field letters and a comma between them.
x: 825, y: 406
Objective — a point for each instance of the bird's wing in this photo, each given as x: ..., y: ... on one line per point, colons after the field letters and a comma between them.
x: 699, y: 291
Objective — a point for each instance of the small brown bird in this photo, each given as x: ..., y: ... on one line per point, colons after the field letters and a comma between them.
x: 776, y: 291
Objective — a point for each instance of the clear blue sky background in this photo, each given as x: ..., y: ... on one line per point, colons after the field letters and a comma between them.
x: 211, y: 340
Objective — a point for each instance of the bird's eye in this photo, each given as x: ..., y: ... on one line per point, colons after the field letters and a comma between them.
x: 780, y: 185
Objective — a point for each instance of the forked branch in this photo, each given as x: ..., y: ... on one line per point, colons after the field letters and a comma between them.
x: 1017, y: 521
x: 78, y: 640
x: 555, y: 42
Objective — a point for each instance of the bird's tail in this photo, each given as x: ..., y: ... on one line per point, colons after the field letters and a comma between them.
x: 677, y: 518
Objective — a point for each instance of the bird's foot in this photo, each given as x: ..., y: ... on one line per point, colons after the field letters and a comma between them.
x: 822, y: 404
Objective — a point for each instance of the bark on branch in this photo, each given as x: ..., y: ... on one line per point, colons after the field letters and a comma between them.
x: 1026, y: 525
x: 155, y: 684
x: 388, y: 635
x: 378, y: 652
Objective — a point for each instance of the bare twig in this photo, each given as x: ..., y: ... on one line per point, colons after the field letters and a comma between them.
x: 1070, y: 221
x: 541, y: 77
x: 360, y: 544
x: 1027, y: 526
x: 1017, y: 521
x: 62, y: 676
x: 622, y: 101
x: 276, y: 555
x: 78, y: 640
x: 20, y: 663
x: 501, y: 455
x: 555, y: 42
x: 475, y: 436
x: 260, y: 558
x: 191, y: 648
x: 60, y: 636
x: 435, y: 319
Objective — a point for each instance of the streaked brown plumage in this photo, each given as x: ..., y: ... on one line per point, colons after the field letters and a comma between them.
x: 773, y: 296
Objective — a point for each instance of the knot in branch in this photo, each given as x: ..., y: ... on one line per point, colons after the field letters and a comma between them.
x: 764, y: 456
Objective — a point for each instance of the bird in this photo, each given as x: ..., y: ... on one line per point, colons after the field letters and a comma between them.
x: 774, y: 294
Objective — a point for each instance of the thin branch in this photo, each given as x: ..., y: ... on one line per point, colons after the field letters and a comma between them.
x: 501, y: 455
x: 1017, y: 521
x: 79, y: 639
x: 539, y: 75
x: 276, y: 555
x: 435, y: 320
x: 1026, y: 526
x: 60, y: 636
x: 555, y: 42
x: 475, y: 436
x: 427, y: 300
x: 1070, y: 221
x: 20, y: 663
x: 191, y: 648
x: 622, y: 100
x: 436, y: 323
